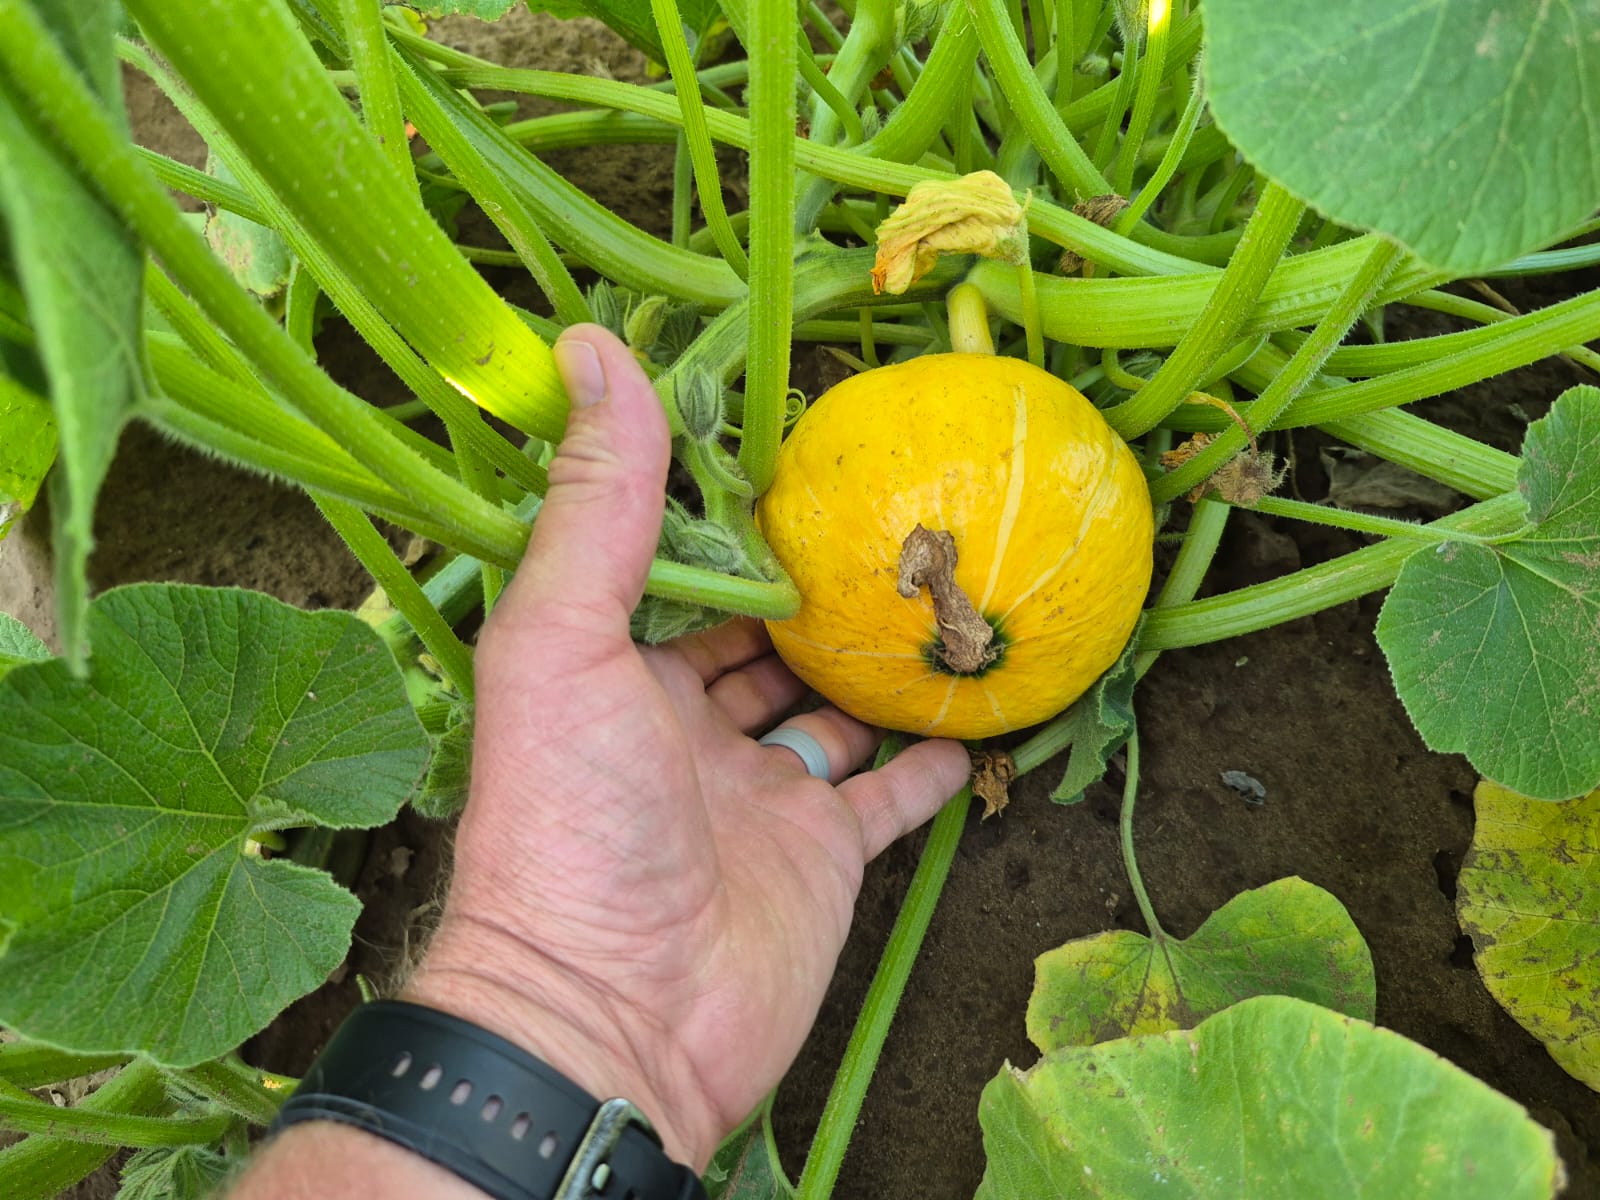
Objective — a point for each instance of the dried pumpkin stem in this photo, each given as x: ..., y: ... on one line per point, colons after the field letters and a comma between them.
x: 928, y: 560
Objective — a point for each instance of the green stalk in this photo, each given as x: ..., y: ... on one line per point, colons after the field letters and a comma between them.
x: 181, y: 177
x: 843, y: 1106
x: 1030, y: 311
x: 826, y: 29
x: 1044, y: 126
x: 941, y: 90
x: 359, y: 214
x: 575, y: 130
x: 1142, y: 313
x: 1206, y: 525
x: 455, y: 136
x: 1487, y: 314
x: 696, y: 585
x: 204, y: 411
x: 21, y: 1113
x: 1360, y: 522
x: 188, y: 383
x: 1177, y: 147
x: 380, y: 101
x: 1152, y: 69
x: 40, y: 1167
x: 1130, y: 791
x: 1221, y: 321
x: 818, y: 82
x: 1313, y: 589
x: 1127, y: 76
x: 1441, y: 454
x: 32, y: 1065
x: 402, y: 589
x: 1513, y: 343
x: 1346, y: 309
x: 682, y: 191
x: 1064, y: 35
x: 772, y: 206
x: 198, y: 335
x: 54, y: 90
x: 824, y: 280
x: 866, y: 51
x: 468, y: 432
x: 243, y: 1090
x: 618, y: 250
x: 669, y: 27
x: 849, y: 167
x: 844, y: 331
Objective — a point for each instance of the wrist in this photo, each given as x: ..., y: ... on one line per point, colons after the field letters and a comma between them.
x: 594, y: 1038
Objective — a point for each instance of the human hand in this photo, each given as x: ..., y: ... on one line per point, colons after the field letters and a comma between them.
x: 644, y: 896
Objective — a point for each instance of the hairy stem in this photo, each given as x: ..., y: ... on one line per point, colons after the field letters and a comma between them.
x: 772, y: 198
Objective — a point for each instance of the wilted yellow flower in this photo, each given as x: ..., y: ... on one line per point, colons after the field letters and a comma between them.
x: 976, y: 214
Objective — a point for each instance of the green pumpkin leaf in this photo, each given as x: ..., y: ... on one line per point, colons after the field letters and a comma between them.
x: 1462, y: 128
x: 173, y: 1173
x: 81, y: 274
x: 128, y: 800
x: 1271, y: 1098
x: 1289, y: 938
x: 1529, y: 896
x: 633, y: 22
x: 18, y: 645
x: 1097, y: 725
x: 484, y: 10
x: 255, y: 255
x: 745, y: 1167
x: 27, y: 448
x: 444, y: 791
x: 1495, y: 650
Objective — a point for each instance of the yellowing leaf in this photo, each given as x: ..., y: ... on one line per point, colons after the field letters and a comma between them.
x: 1273, y: 1099
x: 1529, y: 895
x: 1289, y: 938
x: 976, y: 214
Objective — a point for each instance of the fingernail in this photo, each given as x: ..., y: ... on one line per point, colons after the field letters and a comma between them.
x: 580, y: 371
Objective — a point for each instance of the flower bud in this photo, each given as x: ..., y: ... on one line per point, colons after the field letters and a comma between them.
x: 699, y: 399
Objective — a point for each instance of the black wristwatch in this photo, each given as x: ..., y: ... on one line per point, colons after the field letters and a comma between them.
x: 485, y: 1109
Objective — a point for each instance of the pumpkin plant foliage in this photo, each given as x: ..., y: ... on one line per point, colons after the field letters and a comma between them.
x: 1271, y: 1097
x: 1190, y: 223
x: 130, y: 799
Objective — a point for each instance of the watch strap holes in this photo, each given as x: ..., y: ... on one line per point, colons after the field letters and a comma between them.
x: 519, y: 1127
x: 430, y: 1078
x: 401, y: 1064
x: 491, y: 1108
x: 548, y: 1145
x: 462, y: 1092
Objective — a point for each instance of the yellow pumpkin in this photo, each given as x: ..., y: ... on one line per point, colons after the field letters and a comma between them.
x: 1051, y: 526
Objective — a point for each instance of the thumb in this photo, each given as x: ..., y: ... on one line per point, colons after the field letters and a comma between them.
x: 597, y: 530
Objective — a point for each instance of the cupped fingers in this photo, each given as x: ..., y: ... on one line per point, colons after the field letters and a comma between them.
x: 906, y: 791
x: 753, y: 696
x: 845, y: 741
x: 727, y: 647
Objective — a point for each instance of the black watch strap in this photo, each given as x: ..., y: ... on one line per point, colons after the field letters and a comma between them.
x: 483, y: 1108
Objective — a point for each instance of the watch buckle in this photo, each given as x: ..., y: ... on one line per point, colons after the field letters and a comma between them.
x: 590, y: 1170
